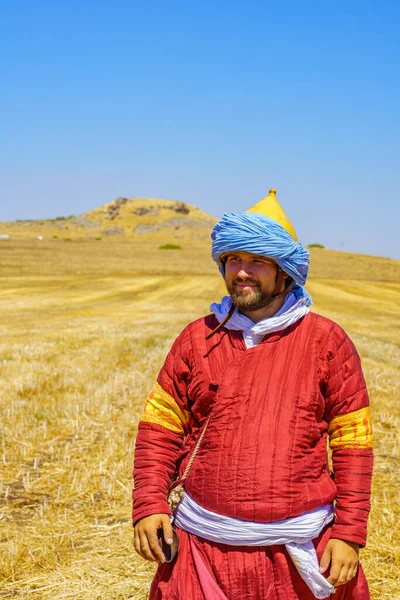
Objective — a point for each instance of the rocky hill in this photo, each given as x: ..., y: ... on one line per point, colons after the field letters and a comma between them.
x: 138, y: 218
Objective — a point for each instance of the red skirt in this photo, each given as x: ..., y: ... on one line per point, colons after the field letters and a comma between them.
x: 243, y: 572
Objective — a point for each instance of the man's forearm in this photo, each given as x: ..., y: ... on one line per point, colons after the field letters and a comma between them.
x: 352, y: 476
x: 154, y: 467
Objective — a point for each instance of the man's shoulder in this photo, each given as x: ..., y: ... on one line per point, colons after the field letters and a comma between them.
x: 204, y: 321
x: 322, y: 321
x: 198, y: 328
x: 202, y: 326
x: 328, y: 329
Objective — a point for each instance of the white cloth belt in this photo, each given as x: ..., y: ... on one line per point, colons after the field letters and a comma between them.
x: 296, y: 533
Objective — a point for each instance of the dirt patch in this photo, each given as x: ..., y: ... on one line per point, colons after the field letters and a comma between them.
x: 85, y: 222
x: 177, y: 223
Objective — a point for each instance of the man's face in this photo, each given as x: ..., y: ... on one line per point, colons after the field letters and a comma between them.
x: 250, y: 279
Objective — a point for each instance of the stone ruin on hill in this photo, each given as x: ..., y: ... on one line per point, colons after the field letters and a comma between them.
x: 113, y: 210
x: 146, y: 210
x: 178, y: 207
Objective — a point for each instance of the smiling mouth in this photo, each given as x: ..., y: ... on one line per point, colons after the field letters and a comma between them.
x: 246, y: 283
x: 245, y: 286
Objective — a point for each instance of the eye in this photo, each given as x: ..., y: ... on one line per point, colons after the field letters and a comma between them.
x: 261, y: 261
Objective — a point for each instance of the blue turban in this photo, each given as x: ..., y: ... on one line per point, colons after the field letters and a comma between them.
x: 258, y: 234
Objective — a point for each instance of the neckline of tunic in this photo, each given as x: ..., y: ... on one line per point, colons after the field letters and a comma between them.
x: 237, y: 341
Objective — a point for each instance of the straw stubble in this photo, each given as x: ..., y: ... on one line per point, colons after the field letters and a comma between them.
x: 83, y: 337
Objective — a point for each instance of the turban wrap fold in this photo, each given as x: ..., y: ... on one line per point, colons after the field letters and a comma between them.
x: 258, y: 234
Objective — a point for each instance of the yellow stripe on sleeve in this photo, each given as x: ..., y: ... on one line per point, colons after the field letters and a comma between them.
x: 162, y: 409
x: 353, y: 430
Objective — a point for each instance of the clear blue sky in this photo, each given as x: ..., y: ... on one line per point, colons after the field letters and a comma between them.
x: 210, y: 103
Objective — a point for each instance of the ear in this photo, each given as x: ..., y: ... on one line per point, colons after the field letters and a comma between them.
x: 283, y: 274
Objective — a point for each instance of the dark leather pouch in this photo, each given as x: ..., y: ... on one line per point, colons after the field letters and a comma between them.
x: 169, y: 551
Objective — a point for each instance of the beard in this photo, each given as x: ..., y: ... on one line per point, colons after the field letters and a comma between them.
x: 251, y: 299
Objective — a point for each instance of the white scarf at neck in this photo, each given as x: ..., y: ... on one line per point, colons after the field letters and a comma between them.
x: 293, y: 309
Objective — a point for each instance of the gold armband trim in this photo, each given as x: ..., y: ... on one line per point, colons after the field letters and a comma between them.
x: 162, y: 409
x: 353, y: 430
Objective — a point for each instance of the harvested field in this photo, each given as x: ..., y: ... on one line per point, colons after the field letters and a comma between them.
x: 85, y: 328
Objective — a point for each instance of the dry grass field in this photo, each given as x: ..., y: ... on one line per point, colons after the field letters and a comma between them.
x: 85, y: 327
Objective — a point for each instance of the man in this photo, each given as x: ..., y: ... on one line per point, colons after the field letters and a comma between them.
x: 249, y: 396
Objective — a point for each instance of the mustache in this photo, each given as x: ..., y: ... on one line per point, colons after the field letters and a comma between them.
x: 247, y: 280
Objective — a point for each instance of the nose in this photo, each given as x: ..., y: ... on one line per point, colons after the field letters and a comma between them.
x: 244, y: 271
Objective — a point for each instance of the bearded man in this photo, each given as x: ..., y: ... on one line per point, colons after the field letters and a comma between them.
x: 240, y: 415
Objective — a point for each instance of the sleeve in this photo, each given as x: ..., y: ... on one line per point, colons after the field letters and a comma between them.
x: 350, y: 436
x: 162, y: 426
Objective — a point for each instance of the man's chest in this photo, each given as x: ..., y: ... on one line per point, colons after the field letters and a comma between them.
x: 237, y: 382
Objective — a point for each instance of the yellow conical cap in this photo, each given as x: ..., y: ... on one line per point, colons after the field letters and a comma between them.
x: 270, y: 207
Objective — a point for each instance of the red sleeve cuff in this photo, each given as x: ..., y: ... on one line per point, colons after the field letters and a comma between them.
x: 349, y: 534
x: 150, y: 508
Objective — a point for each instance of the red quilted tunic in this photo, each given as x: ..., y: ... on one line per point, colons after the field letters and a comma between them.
x: 273, y: 408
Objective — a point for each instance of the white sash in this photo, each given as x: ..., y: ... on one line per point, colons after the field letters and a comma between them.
x: 295, y: 533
